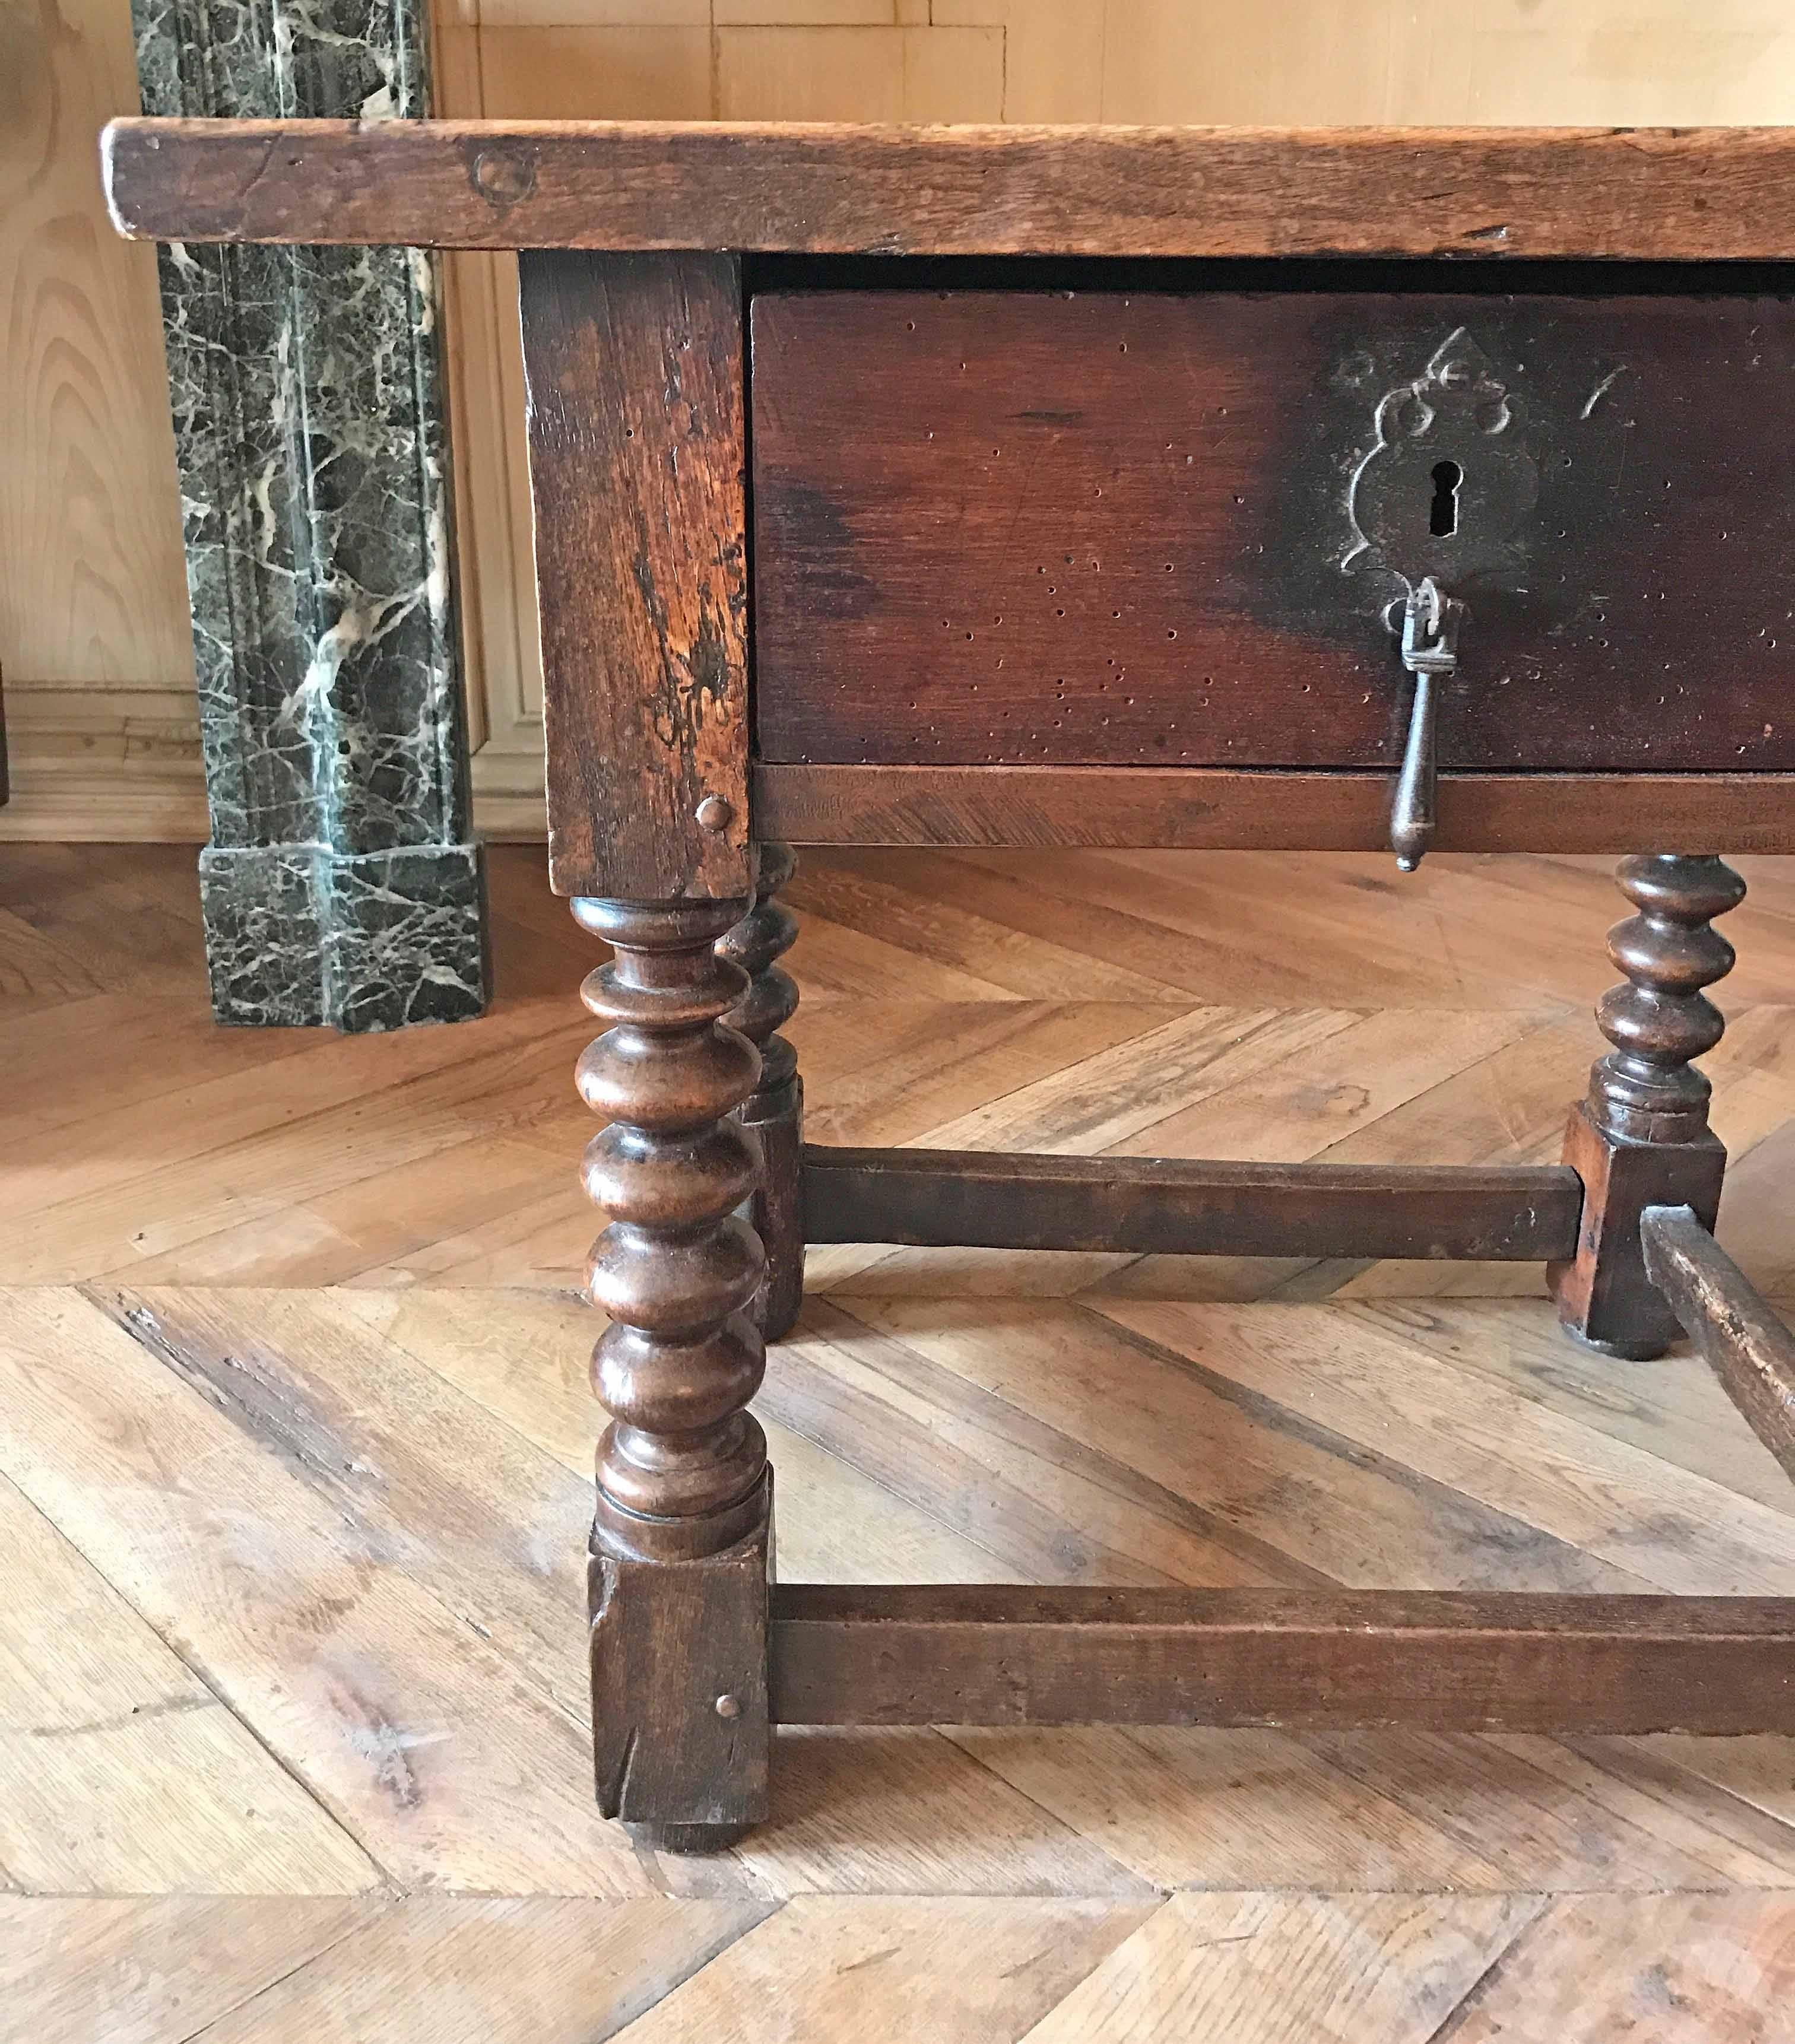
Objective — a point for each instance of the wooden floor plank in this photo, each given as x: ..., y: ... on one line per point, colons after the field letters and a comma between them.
x: 37, y: 975
x: 538, y: 1244
x: 155, y: 1969
x: 111, y: 907
x: 1674, y: 1408
x: 523, y: 1356
x: 1186, y: 1807
x: 378, y: 1220
x: 1047, y: 897
x: 1642, y: 1970
x: 1302, y: 1106
x: 524, y: 1970
x: 113, y: 1055
x: 494, y: 1527
x: 121, y: 1771
x: 895, y: 1071
x: 1676, y: 1531
x: 953, y: 1970
x: 1193, y: 1807
x: 130, y: 1188
x: 1039, y: 1517
x: 297, y: 1600
x: 1549, y: 1818
x: 1096, y: 1104
x: 925, y: 922
x: 1271, y: 1969
x: 471, y: 1511
x: 857, y: 1813
x: 1335, y: 1505
x: 417, y: 1735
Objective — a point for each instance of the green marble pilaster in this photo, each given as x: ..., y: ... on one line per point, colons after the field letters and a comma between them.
x: 342, y: 884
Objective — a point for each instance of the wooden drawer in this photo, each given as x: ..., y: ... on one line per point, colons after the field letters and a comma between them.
x: 1148, y: 528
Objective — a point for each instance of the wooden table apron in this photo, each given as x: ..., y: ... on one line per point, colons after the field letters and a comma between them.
x: 1111, y: 487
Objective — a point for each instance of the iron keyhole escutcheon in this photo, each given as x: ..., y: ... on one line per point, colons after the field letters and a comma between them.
x: 1442, y: 513
x: 1448, y: 483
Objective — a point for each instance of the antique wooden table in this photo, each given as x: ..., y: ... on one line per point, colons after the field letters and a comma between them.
x: 1111, y: 487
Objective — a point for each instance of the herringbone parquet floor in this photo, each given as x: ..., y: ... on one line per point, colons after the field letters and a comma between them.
x: 294, y: 1450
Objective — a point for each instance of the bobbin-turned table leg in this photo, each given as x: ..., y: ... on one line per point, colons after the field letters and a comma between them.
x: 775, y: 1107
x: 1641, y: 1137
x: 679, y: 1557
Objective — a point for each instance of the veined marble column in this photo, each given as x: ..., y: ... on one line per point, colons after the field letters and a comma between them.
x: 342, y: 884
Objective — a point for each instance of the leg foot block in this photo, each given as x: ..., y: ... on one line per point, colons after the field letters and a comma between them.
x: 679, y: 1689
x: 688, y: 1840
x: 1605, y: 1297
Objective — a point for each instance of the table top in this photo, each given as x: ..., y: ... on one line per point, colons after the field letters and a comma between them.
x: 1688, y: 194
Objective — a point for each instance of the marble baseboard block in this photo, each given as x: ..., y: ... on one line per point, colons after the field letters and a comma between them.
x: 297, y: 936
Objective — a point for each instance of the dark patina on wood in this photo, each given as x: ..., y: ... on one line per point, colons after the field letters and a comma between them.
x: 679, y: 1721
x: 679, y: 1557
x: 1197, y: 809
x: 774, y: 1110
x: 1752, y: 1353
x: 1163, y: 529
x: 1696, y: 193
x: 1137, y: 543
x: 634, y: 365
x: 1164, y: 1206
x: 1640, y: 1137
x: 1444, y: 1660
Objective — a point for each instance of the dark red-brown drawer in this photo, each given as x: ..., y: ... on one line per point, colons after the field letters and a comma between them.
x: 1012, y: 526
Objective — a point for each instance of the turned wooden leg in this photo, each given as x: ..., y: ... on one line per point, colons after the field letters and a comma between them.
x: 775, y: 1107
x: 1641, y: 1138
x: 679, y: 1569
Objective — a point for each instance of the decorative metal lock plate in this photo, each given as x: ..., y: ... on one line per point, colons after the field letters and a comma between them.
x: 1441, y: 497
x: 1449, y: 480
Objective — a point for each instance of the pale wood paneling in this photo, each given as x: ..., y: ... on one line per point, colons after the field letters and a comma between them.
x: 93, y: 634
x: 860, y: 74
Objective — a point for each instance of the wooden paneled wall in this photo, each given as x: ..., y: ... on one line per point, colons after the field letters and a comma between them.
x: 94, y: 640
x: 92, y: 626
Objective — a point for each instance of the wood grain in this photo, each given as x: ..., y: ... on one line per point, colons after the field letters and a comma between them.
x: 937, y: 1653
x: 1163, y: 525
x: 338, y: 1475
x: 1368, y: 1388
x: 634, y: 365
x: 121, y: 1771
x: 1200, y: 809
x: 884, y: 1970
x: 158, y: 1968
x: 1652, y: 1968
x: 1695, y: 193
x: 94, y: 598
x: 1168, y: 1206
x: 1753, y: 1353
x: 1263, y: 1969
x: 532, y: 1969
x: 415, y: 1734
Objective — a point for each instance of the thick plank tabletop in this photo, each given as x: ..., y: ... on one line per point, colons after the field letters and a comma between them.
x: 1671, y: 195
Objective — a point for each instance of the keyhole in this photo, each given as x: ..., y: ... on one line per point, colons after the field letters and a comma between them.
x: 1442, y: 518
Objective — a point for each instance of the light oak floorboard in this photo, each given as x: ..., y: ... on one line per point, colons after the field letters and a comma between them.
x: 1270, y: 1968
x: 292, y: 1708
x: 1646, y: 1969
x: 120, y: 1770
x: 886, y: 1971
x: 155, y: 1969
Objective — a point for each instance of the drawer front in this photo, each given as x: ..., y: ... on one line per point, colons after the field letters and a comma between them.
x: 1006, y: 527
